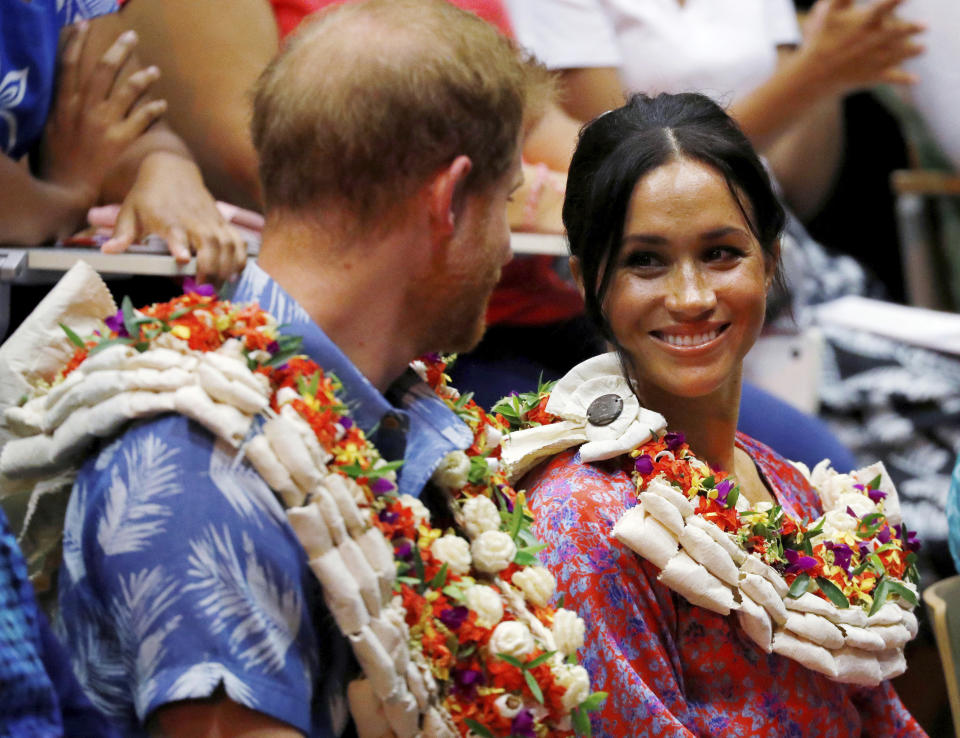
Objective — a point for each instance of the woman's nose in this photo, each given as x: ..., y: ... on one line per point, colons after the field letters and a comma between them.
x: 691, y: 295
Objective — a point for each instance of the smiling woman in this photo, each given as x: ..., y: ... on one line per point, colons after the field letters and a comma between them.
x: 674, y: 231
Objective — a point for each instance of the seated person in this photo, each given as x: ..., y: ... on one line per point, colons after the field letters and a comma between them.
x: 674, y: 233
x: 187, y: 601
x: 93, y: 135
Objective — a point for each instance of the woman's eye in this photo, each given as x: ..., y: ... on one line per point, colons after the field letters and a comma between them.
x: 722, y: 254
x: 642, y: 260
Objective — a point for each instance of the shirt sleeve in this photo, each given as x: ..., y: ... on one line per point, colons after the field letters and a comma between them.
x: 782, y: 25
x: 183, y: 577
x: 71, y: 11
x: 883, y: 713
x: 629, y: 651
x: 566, y: 34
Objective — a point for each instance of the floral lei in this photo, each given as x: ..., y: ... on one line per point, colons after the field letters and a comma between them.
x: 834, y: 593
x: 454, y: 634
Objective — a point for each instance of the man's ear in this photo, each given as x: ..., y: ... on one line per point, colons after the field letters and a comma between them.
x: 577, y: 274
x: 444, y: 195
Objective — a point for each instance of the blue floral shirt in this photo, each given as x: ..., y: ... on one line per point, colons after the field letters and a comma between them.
x: 182, y: 576
x: 29, y: 31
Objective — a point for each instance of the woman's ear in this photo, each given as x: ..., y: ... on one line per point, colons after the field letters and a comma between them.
x: 772, y: 260
x: 577, y: 273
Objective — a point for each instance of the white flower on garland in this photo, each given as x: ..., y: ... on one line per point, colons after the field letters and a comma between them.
x: 453, y: 551
x: 419, y: 510
x: 568, y: 631
x: 486, y: 602
x: 536, y: 583
x: 453, y: 470
x: 513, y: 638
x: 493, y: 551
x: 509, y: 705
x: 835, y: 522
x: 480, y: 515
x: 577, y: 683
x: 858, y: 502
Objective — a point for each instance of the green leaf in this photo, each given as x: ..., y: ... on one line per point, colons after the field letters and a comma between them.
x: 463, y: 400
x: 833, y: 593
x: 534, y: 687
x: 440, y: 578
x: 539, y: 660
x: 516, y: 519
x: 799, y: 585
x: 180, y: 312
x: 709, y: 482
x: 478, y: 728
x: 74, y: 338
x: 129, y: 316
x: 525, y: 559
x: 408, y: 580
x: 901, y: 589
x: 110, y: 342
x: 355, y: 470
x: 581, y: 723
x: 454, y: 593
x: 560, y: 599
x: 732, y: 497
x: 479, y: 470
x: 593, y: 702
x: 282, y: 357
x: 807, y: 546
x: 875, y: 482
x: 513, y: 661
x: 879, y: 596
x: 571, y: 659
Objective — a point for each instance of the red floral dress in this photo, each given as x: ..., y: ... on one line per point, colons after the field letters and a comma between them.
x: 670, y: 668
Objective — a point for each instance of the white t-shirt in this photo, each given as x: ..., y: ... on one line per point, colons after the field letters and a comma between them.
x: 723, y: 48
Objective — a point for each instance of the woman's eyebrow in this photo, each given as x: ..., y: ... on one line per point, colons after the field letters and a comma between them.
x: 648, y: 239
x: 723, y: 232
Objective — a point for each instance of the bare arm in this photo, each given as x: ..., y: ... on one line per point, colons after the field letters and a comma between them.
x: 211, y: 54
x: 33, y: 211
x: 216, y: 717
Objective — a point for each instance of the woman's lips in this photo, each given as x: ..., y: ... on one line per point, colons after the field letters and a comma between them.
x: 690, y: 338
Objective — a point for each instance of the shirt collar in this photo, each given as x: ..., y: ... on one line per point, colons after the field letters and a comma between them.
x: 428, y: 429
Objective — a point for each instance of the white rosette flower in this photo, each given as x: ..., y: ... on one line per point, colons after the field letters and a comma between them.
x: 568, y: 631
x: 486, y: 602
x: 508, y: 705
x: 512, y: 638
x: 419, y: 510
x: 834, y: 523
x: 576, y: 680
x: 453, y: 551
x: 452, y: 473
x: 857, y: 501
x: 493, y: 551
x: 480, y: 515
x: 536, y: 583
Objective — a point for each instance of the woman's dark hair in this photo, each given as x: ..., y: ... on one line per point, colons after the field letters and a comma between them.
x: 620, y: 147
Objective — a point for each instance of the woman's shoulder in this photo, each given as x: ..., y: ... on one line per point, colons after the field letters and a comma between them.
x: 594, y: 490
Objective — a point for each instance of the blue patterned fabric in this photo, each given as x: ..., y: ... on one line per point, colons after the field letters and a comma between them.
x: 28, y: 53
x: 181, y: 574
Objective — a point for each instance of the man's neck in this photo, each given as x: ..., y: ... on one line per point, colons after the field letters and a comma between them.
x: 353, y: 291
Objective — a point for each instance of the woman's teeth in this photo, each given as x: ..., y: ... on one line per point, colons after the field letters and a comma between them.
x: 696, y: 339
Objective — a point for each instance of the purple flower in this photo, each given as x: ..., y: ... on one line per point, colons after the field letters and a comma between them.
x: 381, y: 486
x: 851, y: 513
x: 674, y: 440
x: 842, y: 554
x: 865, y: 549
x: 403, y: 549
x: 913, y: 543
x: 273, y: 347
x: 346, y: 422
x: 876, y: 495
x: 883, y: 535
x: 860, y: 487
x: 434, y: 356
x: 388, y: 516
x: 798, y: 562
x: 643, y: 464
x: 723, y: 489
x: 453, y: 617
x: 466, y: 681
x: 204, y: 290
x: 522, y: 725
x: 115, y: 324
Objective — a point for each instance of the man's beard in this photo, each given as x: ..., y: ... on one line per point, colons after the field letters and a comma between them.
x: 459, y: 315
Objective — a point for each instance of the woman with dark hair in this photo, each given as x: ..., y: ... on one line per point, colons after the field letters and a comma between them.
x: 674, y: 234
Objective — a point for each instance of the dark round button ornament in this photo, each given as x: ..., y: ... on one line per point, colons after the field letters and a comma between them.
x: 605, y: 409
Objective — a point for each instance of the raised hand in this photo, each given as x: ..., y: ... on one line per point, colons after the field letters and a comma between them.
x: 849, y: 46
x: 95, y: 117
